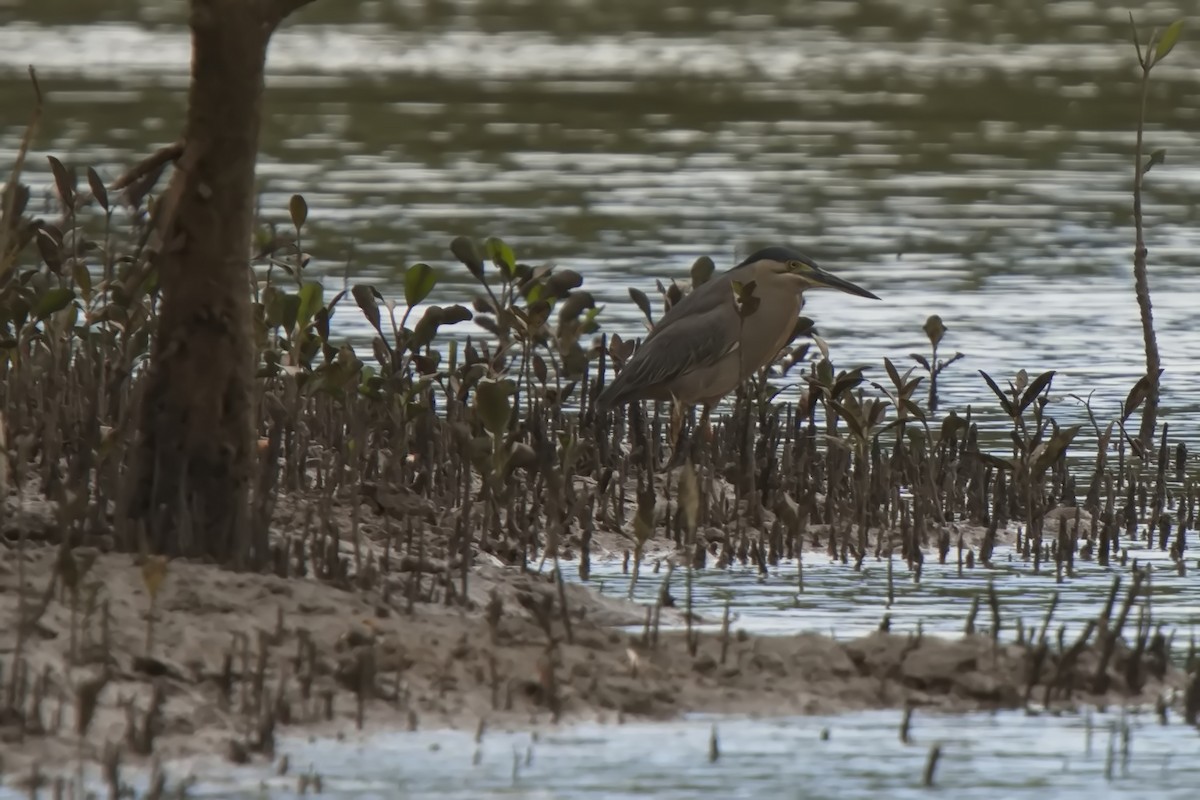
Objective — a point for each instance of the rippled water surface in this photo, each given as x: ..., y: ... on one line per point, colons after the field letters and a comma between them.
x: 969, y: 160
x: 822, y: 595
x: 1005, y: 755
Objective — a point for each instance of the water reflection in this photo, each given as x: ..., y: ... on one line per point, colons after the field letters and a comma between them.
x: 1009, y: 755
x: 971, y: 161
x: 822, y: 595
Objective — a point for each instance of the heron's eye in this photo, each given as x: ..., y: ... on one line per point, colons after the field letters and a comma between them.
x: 797, y: 265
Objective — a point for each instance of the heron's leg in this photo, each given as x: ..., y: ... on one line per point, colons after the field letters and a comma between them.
x: 705, y: 424
x: 678, y: 434
x: 676, y: 426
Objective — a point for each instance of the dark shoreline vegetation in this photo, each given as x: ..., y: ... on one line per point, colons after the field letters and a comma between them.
x: 408, y: 508
x: 391, y: 479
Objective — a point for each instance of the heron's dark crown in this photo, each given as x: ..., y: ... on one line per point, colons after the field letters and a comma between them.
x: 776, y: 253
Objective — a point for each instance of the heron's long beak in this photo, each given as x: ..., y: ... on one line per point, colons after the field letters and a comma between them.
x: 820, y: 277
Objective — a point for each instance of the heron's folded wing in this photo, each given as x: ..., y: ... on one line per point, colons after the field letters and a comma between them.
x: 693, y: 341
x: 715, y: 296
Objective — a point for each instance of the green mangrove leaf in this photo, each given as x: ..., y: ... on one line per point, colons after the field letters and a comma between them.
x: 912, y: 409
x: 452, y: 315
x: 465, y: 251
x: 642, y: 302
x: 97, y: 187
x: 488, y: 323
x: 702, y: 269
x: 311, y: 298
x: 367, y: 298
x: 535, y: 292
x: 574, y: 361
x: 492, y: 404
x: 673, y: 294
x: 893, y: 373
x: 520, y: 317
x: 825, y: 373
x: 426, y: 364
x: 616, y: 348
x: 846, y: 381
x: 321, y: 320
x: 1137, y: 395
x: 575, y: 304
x: 562, y: 281
x: 424, y: 331
x: 851, y: 419
x: 590, y: 324
x: 470, y: 376
x: 1167, y: 43
x: 823, y: 346
x: 1005, y: 403
x: 1049, y: 452
x: 530, y: 277
x: 1157, y: 157
x: 501, y: 255
x: 537, y: 314
x: 521, y: 456
x: 52, y: 301
x: 298, y: 209
x: 797, y: 355
x: 419, y: 280
x: 83, y: 279
x: 1036, y: 388
x: 50, y: 250
x: 934, y: 329
x: 950, y: 427
x: 64, y: 181
x: 917, y: 437
x: 290, y: 312
x: 876, y: 412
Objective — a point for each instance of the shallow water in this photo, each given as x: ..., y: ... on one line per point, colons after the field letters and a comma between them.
x: 1007, y: 755
x: 968, y: 160
x: 838, y: 601
x: 971, y: 161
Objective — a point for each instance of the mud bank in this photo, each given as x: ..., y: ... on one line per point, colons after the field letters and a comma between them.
x: 222, y: 662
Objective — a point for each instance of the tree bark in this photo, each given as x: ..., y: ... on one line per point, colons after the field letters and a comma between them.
x: 1141, y: 285
x: 194, y: 458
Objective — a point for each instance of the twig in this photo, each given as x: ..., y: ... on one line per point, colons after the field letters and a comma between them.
x: 168, y: 209
x: 150, y: 164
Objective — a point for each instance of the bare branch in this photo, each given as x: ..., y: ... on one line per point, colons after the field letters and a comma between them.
x: 151, y: 163
x: 279, y: 10
x: 166, y: 210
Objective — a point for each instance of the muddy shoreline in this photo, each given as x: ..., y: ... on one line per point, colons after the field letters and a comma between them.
x: 234, y: 660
